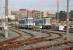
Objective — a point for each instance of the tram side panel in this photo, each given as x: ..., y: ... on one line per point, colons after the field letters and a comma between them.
x: 30, y: 23
x: 47, y: 23
x: 26, y: 23
x: 39, y: 22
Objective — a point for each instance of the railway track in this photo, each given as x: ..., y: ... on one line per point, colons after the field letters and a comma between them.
x: 14, y: 43
x: 10, y: 42
x: 59, y: 46
x: 49, y: 33
x: 51, y: 40
x: 46, y: 32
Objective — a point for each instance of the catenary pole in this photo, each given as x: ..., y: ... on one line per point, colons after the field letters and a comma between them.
x: 57, y: 11
x: 6, y: 19
x: 67, y: 19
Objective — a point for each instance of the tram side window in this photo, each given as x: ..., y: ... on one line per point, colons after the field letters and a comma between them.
x: 22, y: 21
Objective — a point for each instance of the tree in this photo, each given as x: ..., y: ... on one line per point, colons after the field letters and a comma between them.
x: 62, y: 16
x: 71, y: 15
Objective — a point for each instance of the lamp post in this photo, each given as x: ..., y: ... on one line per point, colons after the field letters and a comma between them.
x: 6, y: 20
x: 67, y: 19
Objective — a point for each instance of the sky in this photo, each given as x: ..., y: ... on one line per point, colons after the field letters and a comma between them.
x: 42, y: 5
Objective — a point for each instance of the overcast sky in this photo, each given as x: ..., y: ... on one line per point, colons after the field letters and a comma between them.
x: 50, y: 5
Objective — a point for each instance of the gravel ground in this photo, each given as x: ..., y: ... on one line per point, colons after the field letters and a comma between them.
x: 40, y: 44
x: 11, y: 35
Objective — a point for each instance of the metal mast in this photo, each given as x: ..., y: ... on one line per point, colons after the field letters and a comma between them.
x: 57, y: 10
x: 67, y: 19
x: 6, y: 20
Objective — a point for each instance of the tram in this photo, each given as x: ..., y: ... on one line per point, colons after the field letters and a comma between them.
x: 42, y: 23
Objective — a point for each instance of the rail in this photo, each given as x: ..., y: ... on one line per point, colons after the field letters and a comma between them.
x: 13, y: 43
x: 49, y: 46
